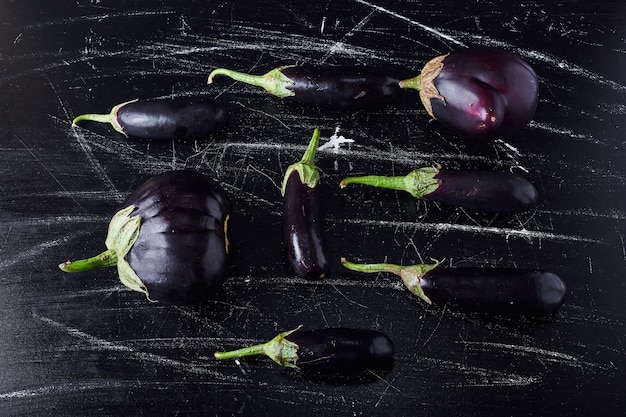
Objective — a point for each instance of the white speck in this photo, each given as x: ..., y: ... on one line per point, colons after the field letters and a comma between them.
x: 335, y: 141
x: 323, y: 24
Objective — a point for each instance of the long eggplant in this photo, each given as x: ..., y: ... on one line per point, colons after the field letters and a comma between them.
x: 341, y: 350
x: 163, y: 119
x: 495, y: 290
x: 302, y: 220
x: 475, y: 190
x: 329, y: 86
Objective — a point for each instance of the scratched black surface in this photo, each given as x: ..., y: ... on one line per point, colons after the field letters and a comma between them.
x: 76, y: 345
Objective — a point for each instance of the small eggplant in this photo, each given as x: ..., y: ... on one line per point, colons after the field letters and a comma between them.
x: 329, y: 86
x: 302, y: 229
x: 163, y: 119
x: 169, y: 239
x: 495, y: 290
x: 478, y: 92
x: 476, y: 190
x: 340, y: 350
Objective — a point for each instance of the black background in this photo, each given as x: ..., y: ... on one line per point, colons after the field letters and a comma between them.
x: 83, y: 345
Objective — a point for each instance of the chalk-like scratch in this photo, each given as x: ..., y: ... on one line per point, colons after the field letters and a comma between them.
x: 98, y: 18
x: 339, y: 44
x: 527, y: 350
x: 36, y: 251
x: 67, y: 388
x: 48, y: 171
x: 507, y: 232
x: 428, y: 29
x: 102, y: 344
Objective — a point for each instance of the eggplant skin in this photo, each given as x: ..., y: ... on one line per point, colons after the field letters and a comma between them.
x: 487, y: 93
x: 302, y: 229
x: 180, y: 253
x: 178, y: 118
x: 341, y: 86
x: 342, y: 349
x: 485, y: 190
x: 497, y: 290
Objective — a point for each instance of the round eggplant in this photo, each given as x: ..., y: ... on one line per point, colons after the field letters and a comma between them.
x: 495, y: 290
x: 478, y: 92
x: 329, y: 86
x: 340, y: 350
x: 169, y: 239
x: 493, y: 191
x: 302, y: 222
x: 163, y: 119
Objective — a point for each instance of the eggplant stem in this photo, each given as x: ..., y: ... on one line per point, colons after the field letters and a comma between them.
x: 306, y: 168
x: 411, y: 275
x: 110, y: 118
x: 106, y: 258
x: 279, y: 349
x: 419, y: 182
x: 425, y: 83
x: 274, y: 81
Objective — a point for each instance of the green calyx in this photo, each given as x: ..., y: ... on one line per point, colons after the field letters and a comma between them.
x: 122, y: 234
x: 110, y: 118
x: 308, y: 172
x: 279, y: 349
x: 274, y: 81
x: 411, y: 275
x: 419, y: 182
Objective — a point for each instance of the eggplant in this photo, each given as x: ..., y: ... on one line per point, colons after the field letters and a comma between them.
x: 169, y: 239
x: 514, y: 291
x: 340, y: 350
x: 493, y: 191
x: 163, y: 119
x: 328, y: 86
x: 302, y: 220
x: 478, y: 92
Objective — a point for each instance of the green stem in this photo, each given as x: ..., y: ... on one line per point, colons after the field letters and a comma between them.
x: 106, y: 258
x: 274, y: 81
x: 110, y: 118
x: 306, y: 168
x: 414, y: 83
x: 419, y: 182
x: 279, y: 349
x: 411, y: 275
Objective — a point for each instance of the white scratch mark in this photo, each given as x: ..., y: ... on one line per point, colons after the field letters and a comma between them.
x: 528, y: 350
x: 102, y: 344
x: 429, y: 29
x: 508, y: 232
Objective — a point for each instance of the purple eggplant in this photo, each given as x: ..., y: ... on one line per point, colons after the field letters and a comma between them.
x: 169, y: 239
x: 478, y: 92
x: 340, y: 350
x: 493, y: 191
x: 163, y: 119
x: 494, y: 290
x: 328, y: 86
x: 302, y: 222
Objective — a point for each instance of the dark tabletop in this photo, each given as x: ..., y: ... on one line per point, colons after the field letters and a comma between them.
x: 84, y: 345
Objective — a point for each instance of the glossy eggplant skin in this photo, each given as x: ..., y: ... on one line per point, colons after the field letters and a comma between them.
x: 486, y: 93
x: 342, y: 349
x: 178, y: 118
x: 180, y: 253
x: 341, y: 86
x: 302, y: 229
x: 494, y: 191
x: 495, y: 290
